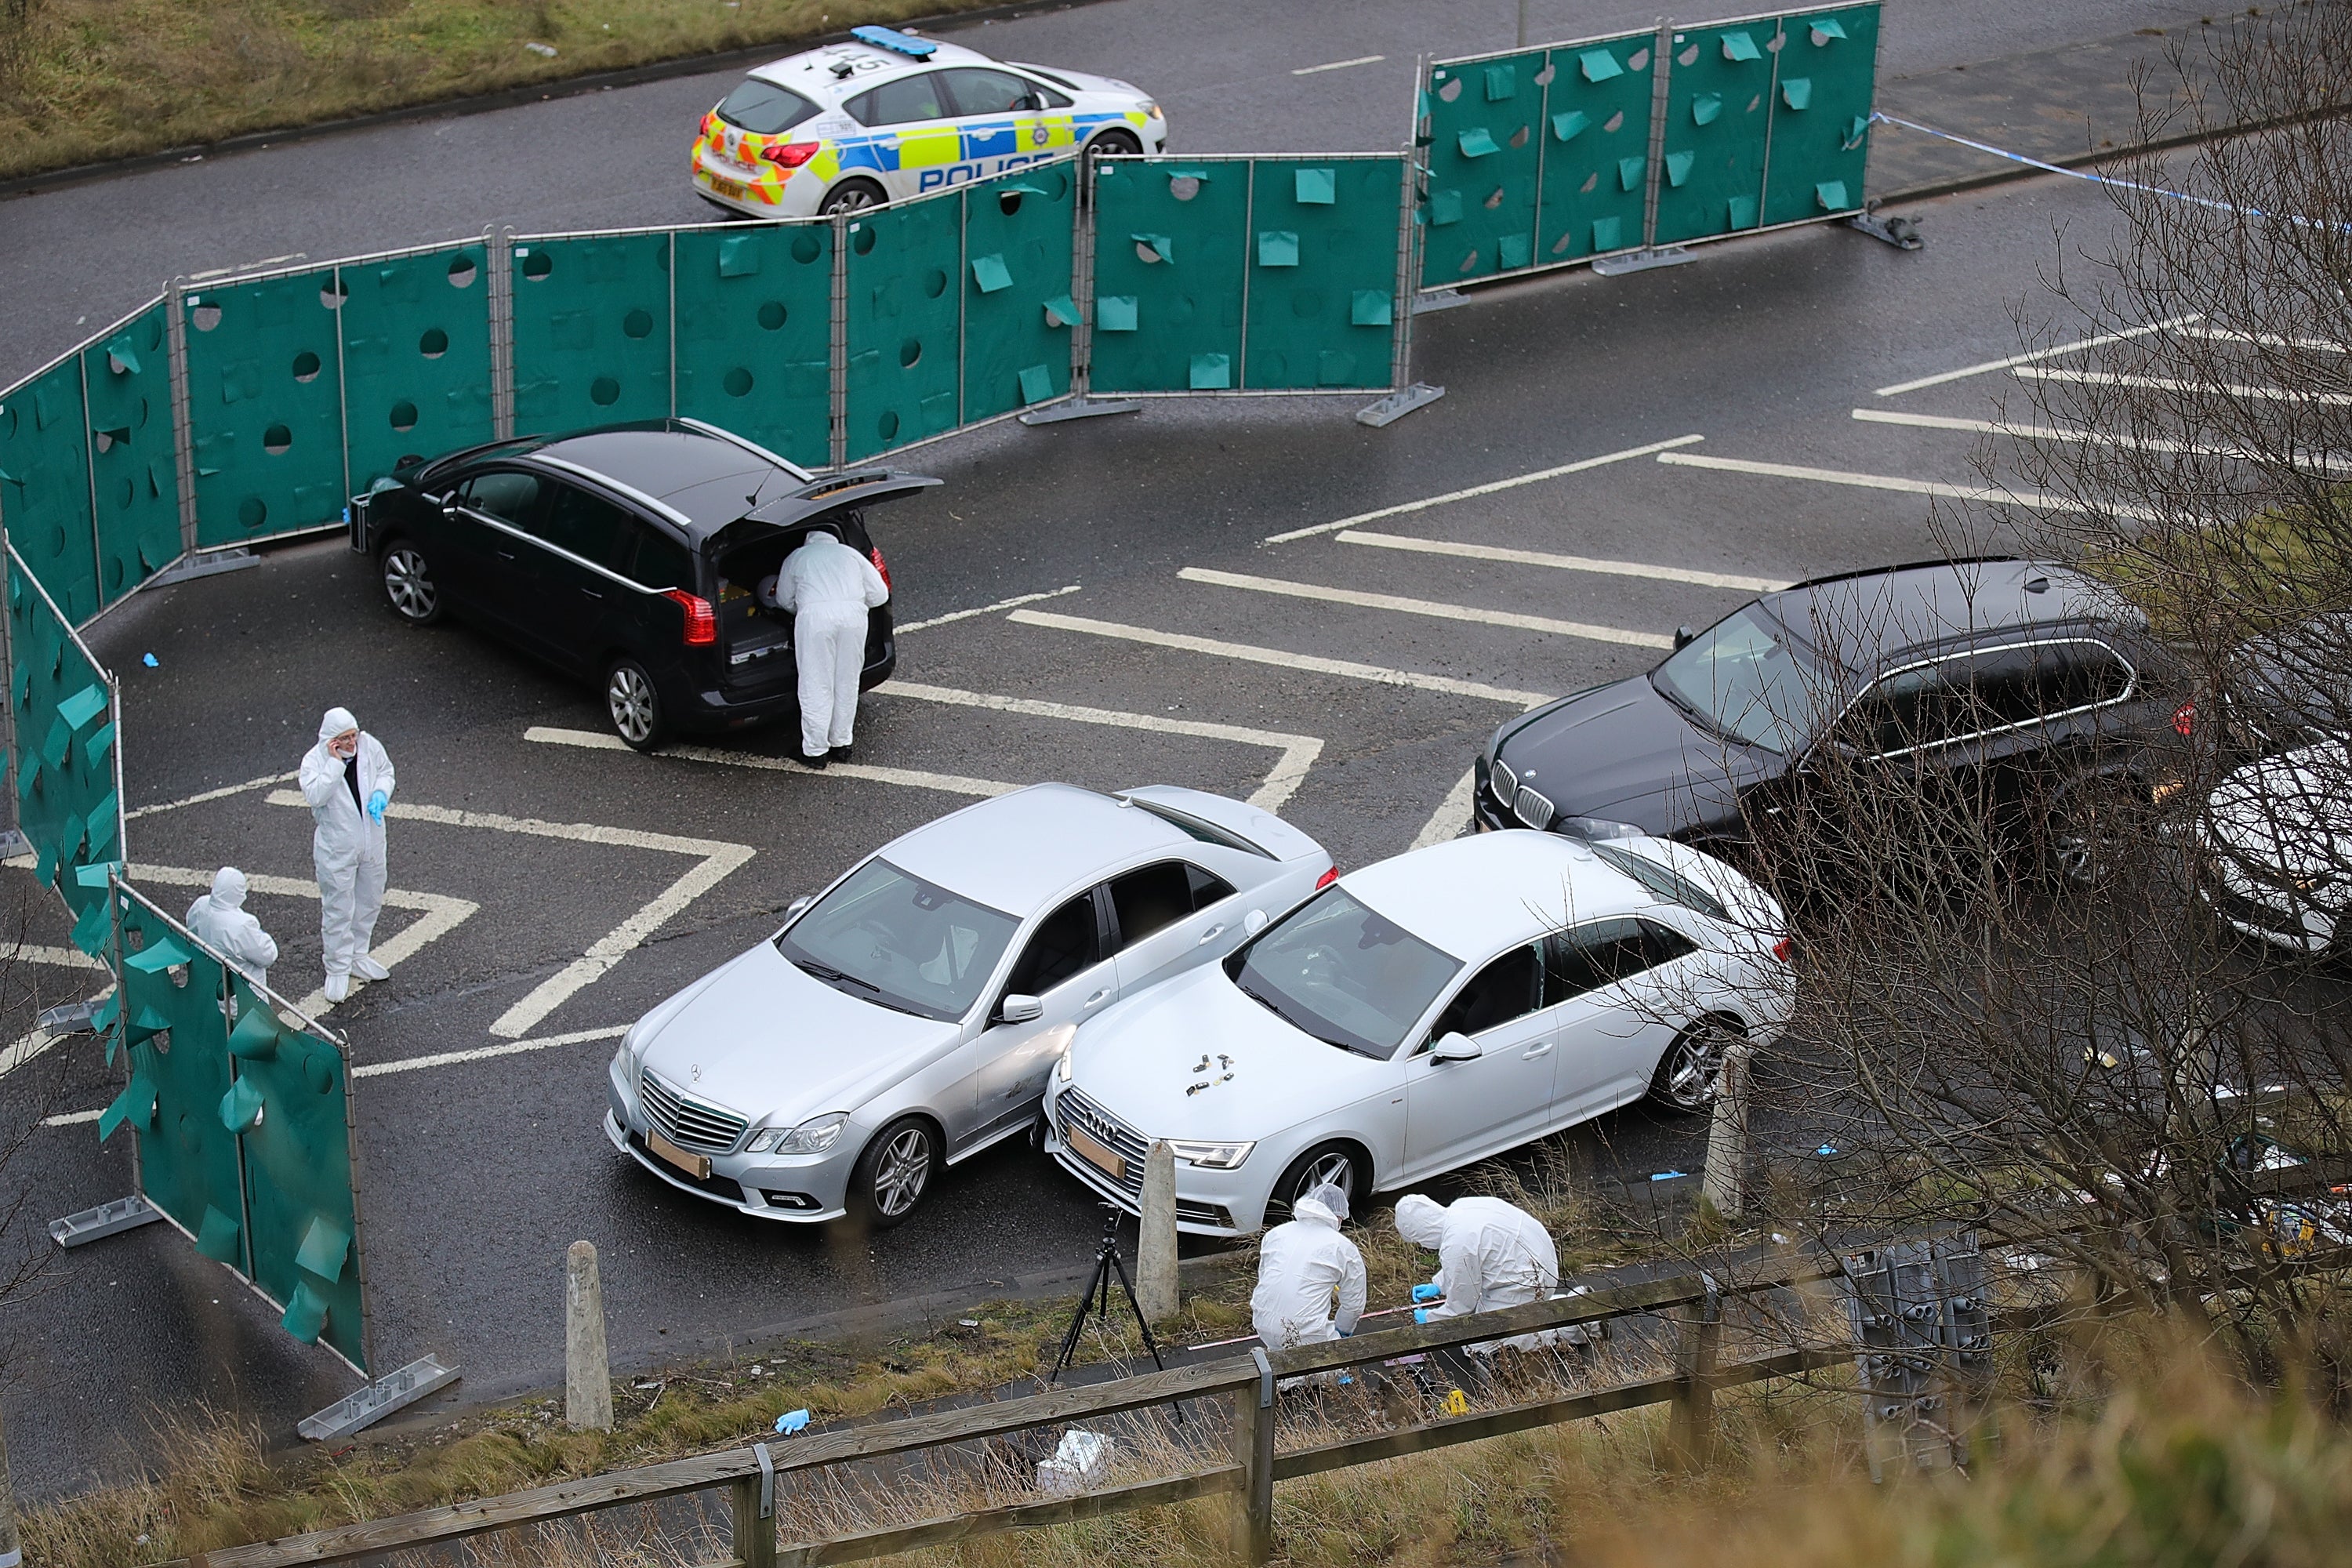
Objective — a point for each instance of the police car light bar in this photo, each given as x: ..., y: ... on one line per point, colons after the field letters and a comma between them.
x: 896, y: 42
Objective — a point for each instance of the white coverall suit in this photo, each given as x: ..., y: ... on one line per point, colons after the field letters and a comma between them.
x: 1310, y: 1281
x: 346, y: 847
x: 221, y: 923
x: 829, y: 588
x: 1490, y: 1256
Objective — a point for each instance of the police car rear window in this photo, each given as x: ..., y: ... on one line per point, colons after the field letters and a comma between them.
x: 764, y: 109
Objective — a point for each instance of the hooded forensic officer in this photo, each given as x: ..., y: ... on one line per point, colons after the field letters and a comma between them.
x: 347, y: 780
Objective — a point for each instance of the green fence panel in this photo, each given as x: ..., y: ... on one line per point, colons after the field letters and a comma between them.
x: 1171, y: 248
x: 592, y: 339
x: 416, y: 357
x: 1596, y: 131
x: 1718, y: 107
x: 265, y: 415
x: 297, y: 1175
x: 63, y: 772
x: 1485, y: 122
x: 45, y: 486
x: 1322, y: 272
x: 755, y: 335
x: 134, y: 459
x: 1821, y: 100
x: 1018, y: 234
x: 170, y: 1019
x: 905, y: 324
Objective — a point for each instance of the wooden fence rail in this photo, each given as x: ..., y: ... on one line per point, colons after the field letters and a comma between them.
x: 1248, y: 1477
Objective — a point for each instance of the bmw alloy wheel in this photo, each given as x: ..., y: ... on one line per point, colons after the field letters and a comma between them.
x: 635, y: 706
x: 902, y: 1173
x: 408, y: 584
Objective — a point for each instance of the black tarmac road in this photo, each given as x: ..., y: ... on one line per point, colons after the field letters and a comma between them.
x: 1167, y: 650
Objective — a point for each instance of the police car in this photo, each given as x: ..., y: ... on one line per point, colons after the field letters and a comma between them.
x: 890, y: 115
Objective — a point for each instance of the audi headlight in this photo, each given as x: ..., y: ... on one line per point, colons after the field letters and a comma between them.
x: 811, y: 1137
x: 1213, y: 1156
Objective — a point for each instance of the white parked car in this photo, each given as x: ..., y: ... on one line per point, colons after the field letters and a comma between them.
x: 1422, y: 1014
x: 906, y: 1018
x: 2277, y: 837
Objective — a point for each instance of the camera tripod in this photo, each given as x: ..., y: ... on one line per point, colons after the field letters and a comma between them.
x: 1095, y: 1299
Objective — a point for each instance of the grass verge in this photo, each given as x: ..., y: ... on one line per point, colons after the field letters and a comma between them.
x: 86, y: 80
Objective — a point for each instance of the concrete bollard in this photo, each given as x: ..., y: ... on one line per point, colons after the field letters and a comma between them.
x: 1155, y: 1247
x: 587, y: 1374
x: 1724, y: 1179
x: 12, y: 1546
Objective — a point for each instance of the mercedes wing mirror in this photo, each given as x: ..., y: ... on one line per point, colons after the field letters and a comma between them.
x: 1019, y: 1009
x: 1684, y: 637
x: 1456, y: 1046
x: 798, y: 907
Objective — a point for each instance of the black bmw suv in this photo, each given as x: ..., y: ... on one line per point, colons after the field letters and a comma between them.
x: 2018, y: 670
x: 630, y: 555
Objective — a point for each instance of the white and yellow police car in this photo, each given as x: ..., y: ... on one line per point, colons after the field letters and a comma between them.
x: 890, y: 115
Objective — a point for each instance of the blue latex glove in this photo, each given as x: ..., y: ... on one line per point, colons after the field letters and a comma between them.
x: 1347, y: 1334
x: 376, y: 803
x: 1421, y: 1314
x: 1426, y: 1293
x: 791, y: 1421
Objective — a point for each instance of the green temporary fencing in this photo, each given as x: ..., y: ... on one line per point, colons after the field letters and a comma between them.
x: 416, y: 357
x: 265, y: 406
x: 63, y: 708
x: 243, y: 1124
x: 755, y: 334
x: 44, y: 485
x: 591, y: 330
x: 1019, y: 316
x: 905, y: 320
x: 1549, y: 157
x: 1246, y: 274
x: 134, y: 461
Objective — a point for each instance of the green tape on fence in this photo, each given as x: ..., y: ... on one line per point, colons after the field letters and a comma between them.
x: 45, y: 486
x: 906, y: 315
x: 416, y: 358
x: 755, y: 335
x: 135, y: 469
x: 264, y: 412
x: 1485, y: 147
x: 1181, y: 264
x: 1719, y: 152
x: 1320, y: 309
x: 1018, y: 335
x: 1597, y: 118
x: 591, y: 331
x: 1821, y: 144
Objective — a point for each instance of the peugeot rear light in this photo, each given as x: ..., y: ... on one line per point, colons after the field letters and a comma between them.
x: 701, y: 620
x: 1327, y: 878
x: 2184, y: 720
x: 789, y: 154
x: 881, y: 566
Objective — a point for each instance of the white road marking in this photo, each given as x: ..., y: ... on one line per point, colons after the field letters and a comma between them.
x: 912, y: 778
x: 441, y: 913
x: 221, y: 793
x: 2171, y: 384
x: 1276, y: 657
x: 2031, y: 499
x: 1424, y: 607
x: 1341, y: 65
x: 718, y: 861
x: 1299, y: 751
x: 73, y: 1117
x: 2268, y: 340
x: 985, y: 609
x: 1453, y: 811
x: 1993, y: 364
x: 484, y: 1053
x: 56, y: 957
x: 1564, y: 563
x: 2094, y: 437
x: 1486, y: 489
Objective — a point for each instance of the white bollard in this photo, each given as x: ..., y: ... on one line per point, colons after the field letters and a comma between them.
x: 1726, y: 1139
x: 587, y: 1374
x: 1155, y: 1247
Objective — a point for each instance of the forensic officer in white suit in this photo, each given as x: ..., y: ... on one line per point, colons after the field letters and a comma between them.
x: 347, y: 779
x: 829, y: 588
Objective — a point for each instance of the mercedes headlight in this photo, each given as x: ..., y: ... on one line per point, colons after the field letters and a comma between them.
x: 811, y: 1137
x: 1057, y: 1040
x: 1213, y: 1156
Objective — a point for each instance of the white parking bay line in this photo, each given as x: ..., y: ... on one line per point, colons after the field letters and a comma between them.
x: 1579, y: 466
x: 2091, y: 437
x: 1563, y: 562
x: 1299, y: 751
x: 954, y: 615
x: 2172, y: 383
x: 1453, y: 813
x: 718, y: 861
x: 484, y: 1053
x: 1424, y: 607
x: 1276, y: 657
x: 1341, y: 65
x: 57, y: 957
x: 2051, y: 353
x: 2033, y: 499
x: 221, y: 793
x: 911, y: 778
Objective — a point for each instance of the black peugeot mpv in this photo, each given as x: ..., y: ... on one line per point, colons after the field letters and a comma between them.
x: 2023, y: 670
x: 629, y: 554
